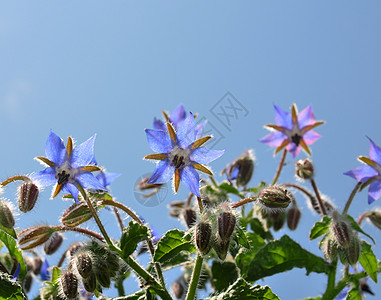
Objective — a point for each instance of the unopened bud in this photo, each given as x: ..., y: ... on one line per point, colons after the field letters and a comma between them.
x: 241, y: 169
x: 76, y: 214
x: 6, y: 216
x: 330, y: 249
x: 37, y: 264
x: 190, y: 216
x: 329, y: 208
x: 304, y: 169
x: 112, y: 262
x: 28, y: 280
x: 203, y: 236
x: 293, y: 217
x: 341, y: 231
x: 90, y: 282
x: 69, y: 284
x: 28, y: 194
x: 221, y: 247
x: 84, y: 264
x: 278, y: 220
x: 178, y: 289
x: 103, y: 277
x: 54, y: 242
x: 275, y: 197
x: 226, y: 225
x: 74, y: 248
x: 34, y: 236
x: 352, y: 253
x: 375, y: 218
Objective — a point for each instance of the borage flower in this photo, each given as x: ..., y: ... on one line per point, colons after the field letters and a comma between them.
x: 370, y: 173
x: 293, y: 131
x: 68, y: 167
x: 179, y: 154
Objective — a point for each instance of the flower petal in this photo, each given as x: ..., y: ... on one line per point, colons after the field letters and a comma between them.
x: 274, y: 139
x: 311, y: 137
x: 44, y: 273
x: 178, y: 116
x: 163, y: 172
x: 191, y: 179
x: 282, y: 118
x: 363, y: 173
x: 374, y: 152
x: 70, y: 188
x: 158, y: 141
x: 186, y: 134
x: 55, y: 149
x: 88, y: 181
x: 158, y: 125
x: 105, y: 178
x: 293, y: 149
x: 200, y: 128
x: 83, y: 154
x: 45, y: 177
x: 203, y: 155
x: 306, y: 117
x: 374, y: 191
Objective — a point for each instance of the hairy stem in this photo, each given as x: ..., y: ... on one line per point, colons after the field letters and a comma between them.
x: 195, y: 278
x: 80, y: 230
x: 317, y: 193
x: 351, y: 196
x: 13, y: 179
x: 280, y: 167
x: 200, y: 206
x: 120, y: 221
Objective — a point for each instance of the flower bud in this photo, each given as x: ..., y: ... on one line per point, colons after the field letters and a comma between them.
x: 90, y: 282
x: 329, y: 208
x: 241, y: 169
x: 28, y: 280
x: 375, y: 218
x: 226, y: 224
x: 6, y: 216
x: 74, y: 248
x: 304, y: 169
x: 84, y: 264
x: 341, y: 231
x: 352, y: 253
x: 278, y: 220
x: 190, y: 216
x: 274, y: 197
x: 293, y: 217
x: 178, y: 289
x: 69, y: 283
x: 34, y: 236
x: 221, y: 247
x: 37, y: 264
x: 28, y: 194
x: 103, y: 277
x: 330, y: 249
x: 53, y: 243
x: 76, y: 214
x: 203, y: 236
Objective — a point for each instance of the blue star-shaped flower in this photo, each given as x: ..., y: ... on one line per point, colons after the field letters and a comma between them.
x: 68, y: 167
x: 180, y: 154
x: 370, y: 173
x: 292, y: 131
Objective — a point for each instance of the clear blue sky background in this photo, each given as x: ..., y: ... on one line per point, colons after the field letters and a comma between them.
x: 85, y: 67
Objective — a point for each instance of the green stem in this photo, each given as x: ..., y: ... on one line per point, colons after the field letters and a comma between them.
x: 302, y: 189
x: 332, y: 276
x: 320, y: 202
x: 351, y: 196
x: 331, y: 294
x: 119, y: 219
x: 80, y: 230
x: 120, y: 287
x: 195, y: 278
x: 280, y: 167
x: 15, y: 178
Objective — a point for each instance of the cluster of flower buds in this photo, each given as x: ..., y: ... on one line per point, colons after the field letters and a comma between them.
x: 241, y: 169
x: 6, y: 216
x: 304, y: 169
x: 27, y: 196
x: 215, y: 229
x: 342, y: 241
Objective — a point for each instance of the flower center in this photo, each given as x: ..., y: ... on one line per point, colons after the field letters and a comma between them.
x: 179, y: 157
x: 63, y: 177
x: 65, y: 174
x: 296, y: 139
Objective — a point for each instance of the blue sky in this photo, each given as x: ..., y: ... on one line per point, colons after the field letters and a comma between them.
x: 85, y: 67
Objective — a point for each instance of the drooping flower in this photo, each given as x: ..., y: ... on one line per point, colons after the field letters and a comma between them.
x: 176, y: 117
x: 293, y: 131
x: 68, y: 167
x: 370, y: 173
x: 179, y: 154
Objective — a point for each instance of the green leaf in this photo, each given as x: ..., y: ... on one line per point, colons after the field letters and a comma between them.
x: 56, y: 273
x: 230, y: 189
x: 15, y: 252
x: 354, y: 294
x: 320, y: 228
x: 282, y: 255
x: 244, y: 257
x: 171, y: 244
x: 10, y: 231
x: 224, y: 274
x: 10, y: 289
x: 368, y: 260
x: 241, y: 237
x: 241, y: 290
x: 356, y: 227
x: 133, y: 234
x: 257, y: 226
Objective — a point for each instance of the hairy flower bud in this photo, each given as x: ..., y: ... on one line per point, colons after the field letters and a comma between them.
x: 37, y: 264
x: 330, y: 249
x: 241, y: 169
x: 27, y: 196
x: 74, y: 248
x: 6, y: 216
x: 90, y: 282
x: 84, y: 264
x: 53, y: 243
x: 293, y: 217
x: 76, y: 214
x: 221, y: 247
x: 352, y: 253
x: 375, y: 218
x: 190, y: 216
x: 304, y: 169
x: 341, y: 231
x: 329, y: 208
x: 69, y: 283
x: 178, y: 289
x: 27, y: 283
x: 103, y: 277
x: 34, y: 236
x: 203, y: 234
x: 226, y: 224
x: 278, y: 220
x: 274, y: 197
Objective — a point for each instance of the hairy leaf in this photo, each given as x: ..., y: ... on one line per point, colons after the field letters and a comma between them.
x: 368, y: 260
x: 224, y: 274
x: 320, y: 228
x: 10, y: 289
x: 133, y: 234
